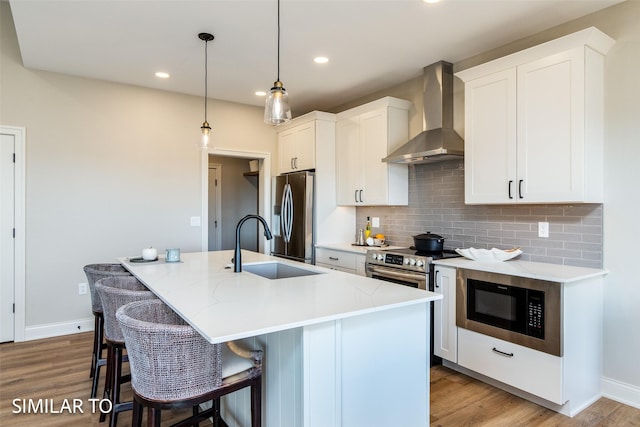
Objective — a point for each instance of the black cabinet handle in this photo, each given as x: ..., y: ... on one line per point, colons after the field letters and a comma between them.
x: 333, y: 258
x: 520, y: 188
x: 509, y: 188
x: 495, y: 350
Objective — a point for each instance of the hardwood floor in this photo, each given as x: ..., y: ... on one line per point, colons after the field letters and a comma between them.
x: 58, y: 369
x: 458, y: 400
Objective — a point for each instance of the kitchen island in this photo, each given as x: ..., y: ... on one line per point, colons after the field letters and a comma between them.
x: 340, y: 350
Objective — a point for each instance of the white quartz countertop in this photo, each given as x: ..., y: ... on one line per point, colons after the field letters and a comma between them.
x: 534, y: 270
x: 348, y: 247
x: 223, y: 305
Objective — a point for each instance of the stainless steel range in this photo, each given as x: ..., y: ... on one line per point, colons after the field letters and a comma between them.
x: 404, y: 266
x: 407, y: 267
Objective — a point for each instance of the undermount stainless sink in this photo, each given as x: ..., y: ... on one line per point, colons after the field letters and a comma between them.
x: 276, y: 270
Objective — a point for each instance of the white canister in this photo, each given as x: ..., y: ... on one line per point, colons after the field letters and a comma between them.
x: 149, y: 254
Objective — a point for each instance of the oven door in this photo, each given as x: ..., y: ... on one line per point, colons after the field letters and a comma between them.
x: 394, y: 275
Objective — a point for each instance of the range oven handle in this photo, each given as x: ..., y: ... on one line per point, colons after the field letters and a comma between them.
x: 390, y: 273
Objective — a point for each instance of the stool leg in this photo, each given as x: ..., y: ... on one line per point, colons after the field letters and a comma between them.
x: 97, y: 361
x: 256, y: 402
x: 117, y: 379
x: 136, y: 418
x: 108, y: 380
x: 94, y: 355
x: 153, y: 417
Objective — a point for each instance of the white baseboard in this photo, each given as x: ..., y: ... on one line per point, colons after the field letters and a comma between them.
x: 621, y: 392
x: 57, y: 329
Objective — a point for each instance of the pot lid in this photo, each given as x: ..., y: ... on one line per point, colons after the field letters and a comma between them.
x: 428, y: 236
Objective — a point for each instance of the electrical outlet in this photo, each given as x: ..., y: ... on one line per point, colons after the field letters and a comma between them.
x: 195, y: 221
x: 543, y: 229
x: 375, y: 221
x: 82, y: 288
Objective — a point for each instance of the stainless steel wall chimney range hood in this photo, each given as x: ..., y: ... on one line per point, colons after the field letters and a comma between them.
x: 438, y: 141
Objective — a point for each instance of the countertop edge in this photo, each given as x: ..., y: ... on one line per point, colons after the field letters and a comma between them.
x: 534, y: 270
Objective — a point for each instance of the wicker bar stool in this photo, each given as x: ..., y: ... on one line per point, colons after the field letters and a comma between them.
x: 115, y: 292
x: 95, y: 272
x: 173, y: 366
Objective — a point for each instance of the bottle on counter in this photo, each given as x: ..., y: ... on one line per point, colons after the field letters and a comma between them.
x: 367, y: 230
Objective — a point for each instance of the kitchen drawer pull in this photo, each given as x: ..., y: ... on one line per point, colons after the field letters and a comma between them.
x: 334, y: 258
x: 495, y: 350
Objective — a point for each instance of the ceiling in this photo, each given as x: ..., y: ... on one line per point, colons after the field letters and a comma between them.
x: 371, y: 44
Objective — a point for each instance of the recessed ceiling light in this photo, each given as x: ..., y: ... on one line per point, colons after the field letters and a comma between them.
x: 260, y: 93
x: 162, y: 75
x: 431, y: 1
x: 320, y: 59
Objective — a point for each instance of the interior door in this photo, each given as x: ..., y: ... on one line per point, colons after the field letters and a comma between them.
x: 215, y: 237
x: 7, y: 224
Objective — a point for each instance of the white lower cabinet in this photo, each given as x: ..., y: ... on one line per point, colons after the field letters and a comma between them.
x: 348, y: 262
x: 529, y: 370
x: 445, y: 331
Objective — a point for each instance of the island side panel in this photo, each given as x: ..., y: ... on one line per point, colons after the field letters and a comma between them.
x: 369, y: 370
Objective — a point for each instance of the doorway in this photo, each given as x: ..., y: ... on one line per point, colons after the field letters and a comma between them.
x: 12, y: 250
x: 262, y: 180
x: 238, y: 191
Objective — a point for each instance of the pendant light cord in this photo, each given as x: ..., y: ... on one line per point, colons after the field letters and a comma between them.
x: 278, y: 40
x: 206, y: 79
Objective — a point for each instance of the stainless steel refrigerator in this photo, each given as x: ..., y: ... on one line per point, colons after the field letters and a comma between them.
x: 293, y: 220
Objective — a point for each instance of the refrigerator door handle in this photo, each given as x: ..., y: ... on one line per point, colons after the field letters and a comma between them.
x: 290, y: 213
x: 283, y: 213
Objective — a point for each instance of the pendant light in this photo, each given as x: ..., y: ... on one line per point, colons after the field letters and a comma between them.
x: 277, y: 110
x: 205, y: 128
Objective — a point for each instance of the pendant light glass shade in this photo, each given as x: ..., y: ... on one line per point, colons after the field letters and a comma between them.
x: 205, y: 129
x: 276, y: 108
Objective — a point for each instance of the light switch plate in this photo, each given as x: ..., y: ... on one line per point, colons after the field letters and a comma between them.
x: 375, y: 221
x: 195, y: 221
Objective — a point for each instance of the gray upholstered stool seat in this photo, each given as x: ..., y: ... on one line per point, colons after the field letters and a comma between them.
x: 173, y: 366
x: 115, y: 292
x: 95, y: 272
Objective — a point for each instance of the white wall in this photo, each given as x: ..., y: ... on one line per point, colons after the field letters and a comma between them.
x: 110, y: 169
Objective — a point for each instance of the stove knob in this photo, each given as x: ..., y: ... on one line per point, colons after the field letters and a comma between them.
x: 406, y: 261
x: 412, y: 261
x: 380, y: 257
x: 374, y: 256
x: 419, y: 263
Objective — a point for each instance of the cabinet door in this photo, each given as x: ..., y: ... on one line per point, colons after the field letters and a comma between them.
x: 445, y: 331
x: 348, y: 162
x: 305, y: 149
x: 490, y: 139
x: 374, y: 141
x: 551, y: 128
x: 296, y: 148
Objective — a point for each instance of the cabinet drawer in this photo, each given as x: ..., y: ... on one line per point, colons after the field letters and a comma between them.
x: 530, y: 370
x: 336, y: 258
x: 337, y: 268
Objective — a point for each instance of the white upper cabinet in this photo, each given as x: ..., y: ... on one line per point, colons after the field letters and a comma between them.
x: 296, y: 147
x: 365, y: 135
x: 534, y: 123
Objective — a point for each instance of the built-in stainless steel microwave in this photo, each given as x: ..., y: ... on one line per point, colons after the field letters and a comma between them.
x: 520, y: 310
